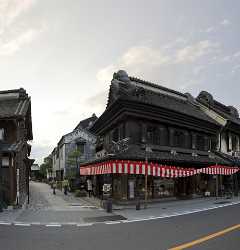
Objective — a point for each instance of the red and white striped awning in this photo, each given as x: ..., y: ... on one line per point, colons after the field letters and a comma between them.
x: 219, y: 170
x: 153, y: 169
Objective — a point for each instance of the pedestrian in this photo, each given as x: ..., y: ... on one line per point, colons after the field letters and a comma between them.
x: 65, y: 185
x: 54, y: 186
x: 89, y: 187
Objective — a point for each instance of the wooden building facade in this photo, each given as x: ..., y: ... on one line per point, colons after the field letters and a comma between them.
x: 143, y: 121
x: 15, y: 132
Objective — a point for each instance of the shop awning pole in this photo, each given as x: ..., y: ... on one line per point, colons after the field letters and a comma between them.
x: 147, y: 150
x: 146, y: 193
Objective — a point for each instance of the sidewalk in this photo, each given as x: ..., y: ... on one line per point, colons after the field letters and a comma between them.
x: 173, y: 207
x: 45, y: 207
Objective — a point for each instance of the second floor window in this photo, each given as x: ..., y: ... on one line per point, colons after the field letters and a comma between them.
x: 179, y: 139
x: 1, y: 134
x: 234, y: 143
x: 80, y: 147
x: 115, y: 135
x: 200, y: 142
x: 153, y: 135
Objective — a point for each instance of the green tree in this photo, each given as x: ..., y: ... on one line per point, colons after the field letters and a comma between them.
x: 45, y: 167
x: 73, y: 160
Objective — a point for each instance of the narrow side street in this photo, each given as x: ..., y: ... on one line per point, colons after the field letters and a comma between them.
x: 45, y: 208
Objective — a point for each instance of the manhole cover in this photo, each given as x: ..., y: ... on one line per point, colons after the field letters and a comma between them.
x: 104, y: 218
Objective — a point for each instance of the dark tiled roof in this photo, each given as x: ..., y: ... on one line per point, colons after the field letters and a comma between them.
x: 167, y: 156
x: 166, y: 98
x: 87, y: 123
x: 234, y: 160
x: 6, y: 147
x: 154, y: 85
x: 184, y: 159
x: 228, y: 112
x: 14, y: 103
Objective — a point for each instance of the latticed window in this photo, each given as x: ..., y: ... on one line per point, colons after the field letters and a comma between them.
x: 234, y: 143
x: 179, y: 139
x: 122, y: 131
x: 153, y: 135
x: 116, y: 135
x: 200, y: 142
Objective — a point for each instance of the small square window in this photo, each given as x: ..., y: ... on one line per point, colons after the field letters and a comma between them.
x: 5, y: 161
x: 1, y: 134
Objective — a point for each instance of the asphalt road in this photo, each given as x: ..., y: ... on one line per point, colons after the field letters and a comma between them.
x: 157, y: 234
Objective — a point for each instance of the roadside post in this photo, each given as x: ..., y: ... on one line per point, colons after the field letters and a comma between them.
x: 107, y: 197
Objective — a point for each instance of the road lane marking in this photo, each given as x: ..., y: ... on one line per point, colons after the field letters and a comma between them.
x: 36, y: 223
x: 6, y: 223
x: 206, y: 238
x: 22, y: 224
x: 112, y: 222
x: 53, y: 225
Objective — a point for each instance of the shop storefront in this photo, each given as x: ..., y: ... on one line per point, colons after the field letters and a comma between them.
x: 127, y: 179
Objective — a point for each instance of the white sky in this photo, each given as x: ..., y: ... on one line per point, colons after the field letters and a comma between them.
x: 65, y: 52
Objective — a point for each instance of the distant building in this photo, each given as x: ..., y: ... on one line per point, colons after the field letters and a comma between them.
x: 15, y: 132
x: 79, y: 139
x: 35, y: 169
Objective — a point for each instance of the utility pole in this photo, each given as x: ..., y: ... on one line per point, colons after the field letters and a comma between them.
x: 147, y: 150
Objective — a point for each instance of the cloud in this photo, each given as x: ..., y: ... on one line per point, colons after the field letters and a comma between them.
x: 178, y: 42
x: 104, y: 75
x: 198, y: 69
x: 10, y: 10
x: 135, y: 59
x: 237, y: 54
x: 12, y: 46
x: 210, y: 29
x: 40, y: 150
x: 225, y: 22
x: 193, y: 52
x: 235, y: 69
x: 98, y: 100
x: 147, y: 61
x: 14, y: 32
x: 141, y: 54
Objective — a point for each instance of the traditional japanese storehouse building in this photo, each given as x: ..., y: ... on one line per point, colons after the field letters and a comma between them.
x: 81, y: 141
x: 151, y: 130
x: 228, y: 146
x: 15, y: 132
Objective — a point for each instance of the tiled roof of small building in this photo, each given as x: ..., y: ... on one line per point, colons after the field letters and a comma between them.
x: 228, y: 112
x: 235, y: 160
x: 6, y: 147
x: 14, y: 103
x: 87, y: 123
